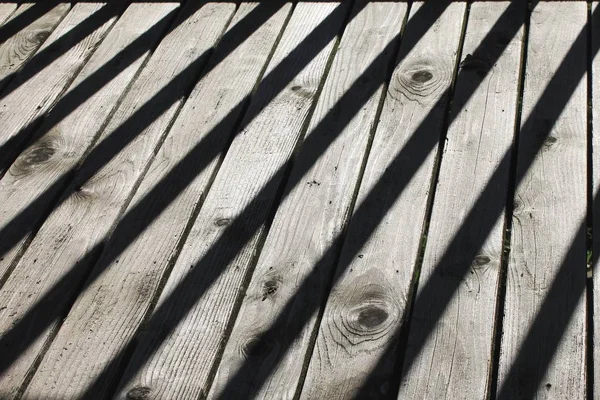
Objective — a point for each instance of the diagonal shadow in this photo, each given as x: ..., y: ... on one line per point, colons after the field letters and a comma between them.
x: 433, y: 298
x: 31, y: 215
x: 40, y: 39
x: 237, y: 226
x: 549, y: 324
x: 371, y: 211
x: 83, y: 91
x: 204, y: 273
x: 160, y: 311
x: 52, y: 52
x: 312, y: 44
x: 21, y: 21
x: 40, y: 316
x: 389, y: 187
x: 10, y: 149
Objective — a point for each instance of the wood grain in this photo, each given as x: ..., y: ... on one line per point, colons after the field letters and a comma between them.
x: 76, y: 361
x: 545, y: 358
x: 27, y: 98
x: 367, y: 302
x: 6, y: 10
x: 41, y: 171
x: 275, y: 316
x: 455, y: 361
x: 185, y: 334
x: 17, y: 50
x: 50, y: 272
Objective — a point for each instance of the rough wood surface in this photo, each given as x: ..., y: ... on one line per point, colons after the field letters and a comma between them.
x: 366, y: 304
x: 144, y: 241
x: 50, y: 272
x: 20, y: 47
x: 544, y: 332
x: 455, y: 360
x: 41, y: 171
x: 278, y: 314
x: 595, y: 97
x: 195, y: 308
x: 148, y: 223
x: 27, y: 98
x: 6, y: 10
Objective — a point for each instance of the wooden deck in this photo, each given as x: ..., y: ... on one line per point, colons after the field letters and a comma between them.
x: 320, y: 200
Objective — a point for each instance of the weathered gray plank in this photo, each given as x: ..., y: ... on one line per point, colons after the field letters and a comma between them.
x: 29, y: 98
x: 38, y: 174
x: 550, y: 207
x: 20, y: 47
x: 65, y: 244
x: 365, y: 308
x: 595, y: 96
x: 309, y: 219
x: 221, y: 245
x: 6, y: 9
x: 77, y: 360
x: 455, y: 361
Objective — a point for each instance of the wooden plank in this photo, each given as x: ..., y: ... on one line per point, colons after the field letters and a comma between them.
x: 456, y: 359
x: 365, y: 307
x: 595, y: 98
x: 17, y: 50
x: 222, y: 242
x: 41, y: 171
x: 550, y: 207
x: 312, y: 215
x: 27, y: 99
x: 66, y: 243
x: 77, y: 361
x: 6, y: 10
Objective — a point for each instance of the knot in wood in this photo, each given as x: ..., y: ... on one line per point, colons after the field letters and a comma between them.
x: 422, y: 76
x: 304, y: 92
x: 40, y: 153
x: 271, y: 286
x: 222, y: 221
x: 40, y: 36
x: 418, y: 80
x: 481, y: 260
x: 139, y: 393
x: 369, y: 313
x: 371, y: 316
x: 550, y: 140
x: 258, y: 346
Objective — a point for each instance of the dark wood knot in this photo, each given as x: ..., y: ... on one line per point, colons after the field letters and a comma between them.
x: 139, y: 393
x: 372, y: 316
x: 369, y: 313
x: 222, y: 221
x: 41, y: 36
x: 549, y: 141
x: 258, y: 347
x: 38, y: 154
x: 482, y: 260
x: 422, y: 76
x: 270, y: 287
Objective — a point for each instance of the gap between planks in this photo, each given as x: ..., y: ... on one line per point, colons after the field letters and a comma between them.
x: 266, y: 352
x: 194, y: 310
x: 139, y: 266
x: 68, y: 242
